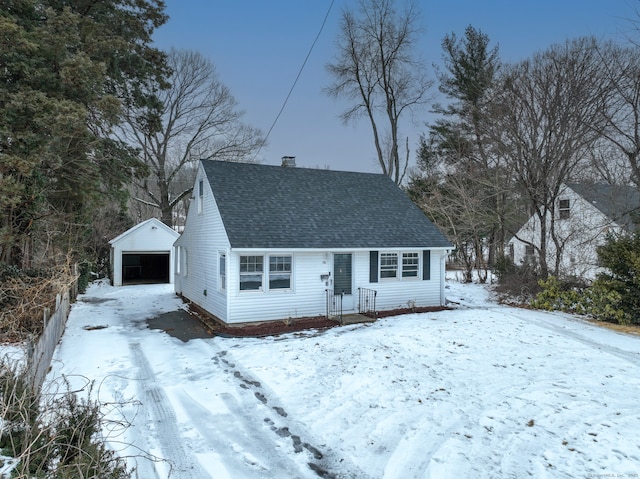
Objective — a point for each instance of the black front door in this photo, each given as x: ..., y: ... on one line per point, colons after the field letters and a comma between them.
x: 342, y: 280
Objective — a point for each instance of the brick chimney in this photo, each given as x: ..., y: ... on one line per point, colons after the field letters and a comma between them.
x: 289, y: 161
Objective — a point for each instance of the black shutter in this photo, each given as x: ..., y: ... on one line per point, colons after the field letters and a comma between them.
x: 373, y: 266
x: 426, y: 264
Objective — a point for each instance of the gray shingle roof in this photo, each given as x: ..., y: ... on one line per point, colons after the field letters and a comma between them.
x: 619, y: 203
x: 276, y: 207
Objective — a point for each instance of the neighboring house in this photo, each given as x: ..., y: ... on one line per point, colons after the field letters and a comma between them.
x: 585, y: 215
x: 268, y: 243
x: 143, y: 254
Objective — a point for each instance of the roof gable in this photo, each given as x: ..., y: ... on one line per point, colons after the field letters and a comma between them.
x: 280, y: 207
x: 618, y: 203
x: 140, y: 226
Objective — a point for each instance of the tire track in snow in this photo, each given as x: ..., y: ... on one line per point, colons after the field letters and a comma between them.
x: 161, y: 414
x: 245, y: 449
x: 323, y: 461
x: 558, y: 328
x: 138, y: 443
x: 411, y: 458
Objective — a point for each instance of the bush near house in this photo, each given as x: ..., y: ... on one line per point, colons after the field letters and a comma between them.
x: 614, y: 296
x: 621, y: 257
x: 516, y: 283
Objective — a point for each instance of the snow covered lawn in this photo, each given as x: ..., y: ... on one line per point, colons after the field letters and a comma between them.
x: 483, y: 391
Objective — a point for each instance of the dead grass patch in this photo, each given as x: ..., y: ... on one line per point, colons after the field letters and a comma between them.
x: 620, y: 328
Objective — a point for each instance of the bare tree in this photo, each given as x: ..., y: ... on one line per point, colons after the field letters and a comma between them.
x: 619, y: 122
x: 197, y: 118
x: 376, y: 69
x: 545, y: 127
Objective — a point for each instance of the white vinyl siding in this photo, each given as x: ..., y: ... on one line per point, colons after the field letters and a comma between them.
x: 396, y: 293
x: 305, y: 298
x: 205, y: 238
x: 307, y: 295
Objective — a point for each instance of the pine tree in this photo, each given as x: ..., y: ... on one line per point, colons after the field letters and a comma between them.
x: 66, y: 69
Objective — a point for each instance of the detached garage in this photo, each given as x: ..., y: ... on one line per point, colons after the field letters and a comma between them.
x: 143, y: 254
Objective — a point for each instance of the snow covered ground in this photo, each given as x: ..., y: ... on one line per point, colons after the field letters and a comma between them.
x: 483, y: 391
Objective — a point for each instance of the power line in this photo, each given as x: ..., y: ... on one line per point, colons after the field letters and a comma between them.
x: 284, y: 104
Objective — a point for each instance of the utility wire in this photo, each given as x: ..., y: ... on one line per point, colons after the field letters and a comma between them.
x: 284, y: 104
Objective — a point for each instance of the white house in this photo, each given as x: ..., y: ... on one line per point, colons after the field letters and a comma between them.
x: 143, y: 253
x: 268, y: 243
x: 585, y: 215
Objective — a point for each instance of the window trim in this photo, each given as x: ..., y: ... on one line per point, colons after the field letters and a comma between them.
x: 200, y: 196
x: 385, y: 267
x: 400, y: 269
x: 253, y: 273
x: 290, y: 272
x: 529, y: 256
x: 266, y: 271
x: 564, y: 212
x: 222, y: 271
x: 417, y: 266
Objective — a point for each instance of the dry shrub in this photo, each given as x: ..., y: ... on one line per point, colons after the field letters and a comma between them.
x: 517, y: 284
x: 25, y: 296
x: 55, y: 436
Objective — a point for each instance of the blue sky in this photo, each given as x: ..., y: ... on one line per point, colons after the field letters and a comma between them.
x: 258, y: 47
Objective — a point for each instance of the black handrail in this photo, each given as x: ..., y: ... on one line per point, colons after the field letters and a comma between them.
x: 367, y: 301
x: 334, y: 305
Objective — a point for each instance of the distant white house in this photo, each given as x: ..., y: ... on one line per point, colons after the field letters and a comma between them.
x: 143, y: 253
x: 266, y: 243
x: 585, y: 215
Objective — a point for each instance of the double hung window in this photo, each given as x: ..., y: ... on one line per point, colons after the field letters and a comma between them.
x: 279, y: 272
x: 251, y: 272
x: 410, y: 265
x: 388, y: 265
x: 564, y: 207
x: 392, y: 268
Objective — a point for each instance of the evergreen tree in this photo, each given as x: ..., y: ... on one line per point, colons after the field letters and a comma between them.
x: 458, y: 153
x: 621, y: 258
x: 66, y: 70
